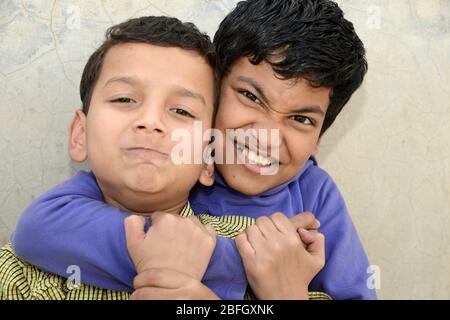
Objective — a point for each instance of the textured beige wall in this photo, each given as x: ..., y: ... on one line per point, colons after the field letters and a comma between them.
x: 389, y: 151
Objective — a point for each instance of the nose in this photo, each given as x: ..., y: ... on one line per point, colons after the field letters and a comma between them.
x: 150, y: 118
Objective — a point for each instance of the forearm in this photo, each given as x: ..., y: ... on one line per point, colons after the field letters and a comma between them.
x: 78, y: 231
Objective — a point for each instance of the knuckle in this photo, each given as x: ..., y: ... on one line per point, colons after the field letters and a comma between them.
x: 277, y: 215
x: 210, y: 241
x: 308, y: 214
x: 166, y: 218
x: 250, y: 229
x: 321, y: 263
x: 262, y: 221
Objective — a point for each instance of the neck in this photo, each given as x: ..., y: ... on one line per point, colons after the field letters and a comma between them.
x: 146, y: 209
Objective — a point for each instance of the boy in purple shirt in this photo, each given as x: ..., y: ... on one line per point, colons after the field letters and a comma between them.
x: 284, y: 65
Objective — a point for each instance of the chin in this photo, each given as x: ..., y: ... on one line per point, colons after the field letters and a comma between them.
x: 249, y: 187
x: 144, y: 183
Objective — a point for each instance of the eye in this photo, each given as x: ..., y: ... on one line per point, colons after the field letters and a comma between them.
x: 123, y: 100
x: 182, y: 112
x: 250, y: 96
x: 303, y: 120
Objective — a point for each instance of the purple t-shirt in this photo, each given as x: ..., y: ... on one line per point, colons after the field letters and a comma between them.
x: 71, y: 225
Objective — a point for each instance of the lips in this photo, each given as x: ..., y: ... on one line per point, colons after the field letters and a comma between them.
x: 146, y: 153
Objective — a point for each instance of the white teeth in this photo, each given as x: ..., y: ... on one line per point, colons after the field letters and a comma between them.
x: 254, y: 158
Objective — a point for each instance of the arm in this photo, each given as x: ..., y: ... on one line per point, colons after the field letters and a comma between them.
x: 345, y: 273
x: 60, y: 228
x: 67, y: 221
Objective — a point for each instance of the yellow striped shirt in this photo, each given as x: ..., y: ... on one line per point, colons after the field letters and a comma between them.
x: 20, y: 280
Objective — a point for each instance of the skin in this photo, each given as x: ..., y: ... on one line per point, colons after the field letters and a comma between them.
x: 253, y: 97
x: 143, y: 94
x: 301, y: 254
x: 126, y: 135
x: 274, y: 245
x: 283, y: 106
x: 126, y: 138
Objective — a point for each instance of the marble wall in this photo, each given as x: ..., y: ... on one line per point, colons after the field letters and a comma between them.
x: 389, y: 151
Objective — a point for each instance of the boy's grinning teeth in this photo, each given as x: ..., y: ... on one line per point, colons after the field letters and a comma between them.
x: 253, y: 157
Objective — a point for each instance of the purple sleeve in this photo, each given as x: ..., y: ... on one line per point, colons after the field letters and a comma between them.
x: 345, y: 273
x: 71, y: 225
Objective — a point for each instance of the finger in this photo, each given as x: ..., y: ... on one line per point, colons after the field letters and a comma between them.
x: 306, y: 236
x: 305, y: 220
x: 134, y: 230
x: 267, y: 227
x: 159, y: 277
x: 244, y: 247
x: 256, y: 239
x: 150, y: 293
x: 193, y: 219
x: 211, y: 230
x: 282, y: 223
x: 317, y: 247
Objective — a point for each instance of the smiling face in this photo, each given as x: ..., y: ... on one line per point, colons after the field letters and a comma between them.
x: 143, y: 94
x: 252, y: 97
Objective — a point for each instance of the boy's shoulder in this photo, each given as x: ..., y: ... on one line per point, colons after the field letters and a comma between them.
x: 82, y: 183
x: 314, y: 176
x: 317, y: 187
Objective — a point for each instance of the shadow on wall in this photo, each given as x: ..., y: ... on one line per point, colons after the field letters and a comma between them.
x: 75, y: 166
x: 345, y: 121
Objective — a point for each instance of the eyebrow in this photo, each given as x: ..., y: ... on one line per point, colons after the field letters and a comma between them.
x: 309, y: 109
x: 127, y: 80
x: 255, y: 86
x: 260, y: 90
x: 184, y: 92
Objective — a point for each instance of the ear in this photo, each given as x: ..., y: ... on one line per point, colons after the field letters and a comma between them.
x: 77, y: 137
x: 207, y: 174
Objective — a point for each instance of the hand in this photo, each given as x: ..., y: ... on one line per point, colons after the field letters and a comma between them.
x: 179, y: 243
x: 276, y: 263
x: 167, y: 284
x: 305, y: 220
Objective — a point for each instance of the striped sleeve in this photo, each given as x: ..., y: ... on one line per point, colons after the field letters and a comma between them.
x: 312, y: 295
x: 20, y: 280
x: 13, y: 282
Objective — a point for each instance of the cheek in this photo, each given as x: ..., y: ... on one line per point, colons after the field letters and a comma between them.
x: 102, y: 135
x: 301, y: 148
x: 232, y: 114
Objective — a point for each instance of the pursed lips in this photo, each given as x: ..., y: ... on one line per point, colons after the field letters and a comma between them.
x: 146, y: 153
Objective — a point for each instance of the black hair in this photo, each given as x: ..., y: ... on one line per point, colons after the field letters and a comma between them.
x: 160, y: 31
x: 309, y: 39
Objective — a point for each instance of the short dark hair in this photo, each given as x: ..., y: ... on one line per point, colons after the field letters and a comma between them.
x: 161, y: 31
x: 309, y: 38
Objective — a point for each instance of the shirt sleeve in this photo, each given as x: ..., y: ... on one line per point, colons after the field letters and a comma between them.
x: 22, y: 281
x: 71, y: 226
x: 345, y: 274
